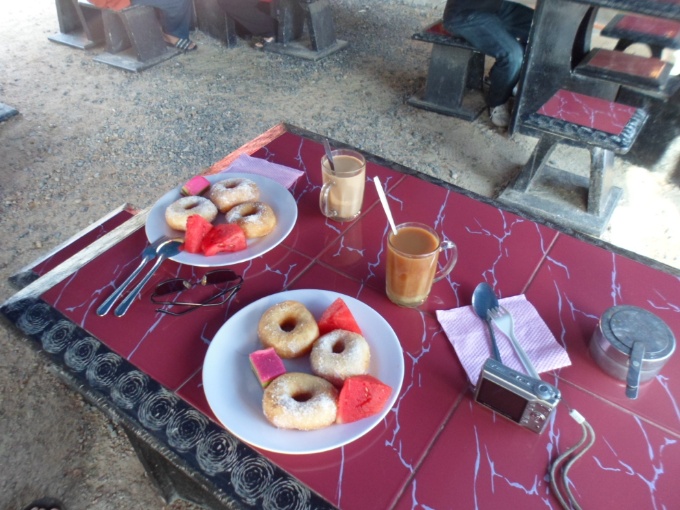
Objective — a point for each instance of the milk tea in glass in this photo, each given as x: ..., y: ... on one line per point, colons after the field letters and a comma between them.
x: 342, y: 194
x: 412, y: 261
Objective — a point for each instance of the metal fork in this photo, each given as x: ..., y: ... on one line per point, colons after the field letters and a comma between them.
x: 503, y: 320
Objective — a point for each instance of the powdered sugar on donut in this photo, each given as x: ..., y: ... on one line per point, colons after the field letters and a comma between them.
x: 256, y: 219
x: 340, y: 354
x: 289, y: 327
x: 178, y: 212
x: 230, y: 192
x: 300, y: 401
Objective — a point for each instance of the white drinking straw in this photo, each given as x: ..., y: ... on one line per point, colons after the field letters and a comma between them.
x: 383, y: 200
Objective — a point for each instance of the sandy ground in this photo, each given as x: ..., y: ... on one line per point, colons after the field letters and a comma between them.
x: 90, y: 138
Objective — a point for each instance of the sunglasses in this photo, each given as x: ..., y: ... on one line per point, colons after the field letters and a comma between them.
x: 176, y: 285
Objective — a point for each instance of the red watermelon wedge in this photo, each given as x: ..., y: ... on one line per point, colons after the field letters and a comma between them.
x: 227, y: 237
x: 197, y: 228
x: 338, y: 316
x: 361, y: 396
x: 267, y: 365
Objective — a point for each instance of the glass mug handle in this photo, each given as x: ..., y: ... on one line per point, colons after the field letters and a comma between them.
x: 324, y: 199
x: 447, y: 245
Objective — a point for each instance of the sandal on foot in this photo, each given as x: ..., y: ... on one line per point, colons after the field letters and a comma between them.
x: 46, y: 504
x: 261, y: 42
x: 185, y: 45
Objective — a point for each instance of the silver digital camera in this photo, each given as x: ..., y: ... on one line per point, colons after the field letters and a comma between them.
x: 518, y: 397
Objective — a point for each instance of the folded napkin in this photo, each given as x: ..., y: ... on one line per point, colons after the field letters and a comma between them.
x: 284, y: 175
x: 470, y: 338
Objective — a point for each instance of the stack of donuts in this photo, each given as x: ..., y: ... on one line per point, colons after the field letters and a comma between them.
x: 303, y: 401
x: 238, y: 199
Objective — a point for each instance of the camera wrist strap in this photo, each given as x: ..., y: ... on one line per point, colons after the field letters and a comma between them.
x: 587, y: 431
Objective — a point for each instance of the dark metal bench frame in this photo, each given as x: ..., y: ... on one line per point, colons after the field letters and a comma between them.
x: 292, y: 17
x: 454, y: 84
x: 582, y: 203
x: 79, y: 28
x: 212, y: 20
x: 133, y: 37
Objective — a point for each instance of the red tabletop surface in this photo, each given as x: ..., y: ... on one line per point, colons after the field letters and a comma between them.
x: 436, y: 448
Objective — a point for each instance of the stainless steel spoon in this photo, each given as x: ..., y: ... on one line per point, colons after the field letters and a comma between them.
x: 148, y: 254
x: 329, y: 154
x: 168, y: 249
x: 484, y: 298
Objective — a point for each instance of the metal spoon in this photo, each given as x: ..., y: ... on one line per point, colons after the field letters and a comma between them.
x: 148, y: 254
x: 168, y: 249
x: 484, y: 298
x: 329, y: 154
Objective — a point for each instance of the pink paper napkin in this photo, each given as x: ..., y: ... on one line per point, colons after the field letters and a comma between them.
x: 469, y: 336
x: 284, y: 175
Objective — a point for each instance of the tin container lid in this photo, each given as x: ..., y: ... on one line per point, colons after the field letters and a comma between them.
x: 624, y: 325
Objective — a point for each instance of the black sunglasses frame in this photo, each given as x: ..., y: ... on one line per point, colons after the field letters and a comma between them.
x: 229, y: 291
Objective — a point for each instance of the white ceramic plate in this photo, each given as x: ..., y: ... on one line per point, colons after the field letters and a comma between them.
x: 235, y: 395
x: 271, y: 192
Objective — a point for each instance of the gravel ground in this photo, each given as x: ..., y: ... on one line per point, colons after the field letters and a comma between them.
x: 90, y: 138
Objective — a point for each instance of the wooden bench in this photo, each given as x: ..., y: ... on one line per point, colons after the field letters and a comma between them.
x: 133, y: 37
x: 656, y: 33
x: 603, y: 128
x: 455, y: 76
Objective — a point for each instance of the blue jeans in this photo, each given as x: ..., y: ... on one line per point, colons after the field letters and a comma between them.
x: 176, y: 15
x: 502, y: 35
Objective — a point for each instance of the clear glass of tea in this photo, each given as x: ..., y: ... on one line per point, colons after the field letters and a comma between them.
x: 412, y: 263
x: 342, y: 193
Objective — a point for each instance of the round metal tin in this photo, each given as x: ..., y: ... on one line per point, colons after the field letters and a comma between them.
x: 619, y: 329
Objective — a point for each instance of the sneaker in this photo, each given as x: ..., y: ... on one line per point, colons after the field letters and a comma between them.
x: 500, y: 115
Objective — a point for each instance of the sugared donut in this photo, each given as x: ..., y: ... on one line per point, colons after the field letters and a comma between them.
x: 340, y: 354
x: 177, y: 213
x: 300, y: 401
x: 289, y: 328
x: 256, y: 219
x: 230, y: 192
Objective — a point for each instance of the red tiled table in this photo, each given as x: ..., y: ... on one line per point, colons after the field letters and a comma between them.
x: 436, y: 448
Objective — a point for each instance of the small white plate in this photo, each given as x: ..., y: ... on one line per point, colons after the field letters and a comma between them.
x: 235, y: 395
x: 271, y: 192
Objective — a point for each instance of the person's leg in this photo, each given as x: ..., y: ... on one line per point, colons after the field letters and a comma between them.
x: 487, y: 33
x: 516, y: 19
x: 249, y: 15
x: 175, y: 16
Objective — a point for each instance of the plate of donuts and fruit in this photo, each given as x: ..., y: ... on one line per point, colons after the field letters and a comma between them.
x: 225, y: 218
x: 303, y: 371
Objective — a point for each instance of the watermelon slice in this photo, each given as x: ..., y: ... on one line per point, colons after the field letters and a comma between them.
x: 361, y: 396
x: 267, y: 365
x: 227, y: 237
x: 338, y: 316
x: 197, y: 228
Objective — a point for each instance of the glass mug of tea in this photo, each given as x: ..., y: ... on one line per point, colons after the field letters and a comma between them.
x: 342, y: 193
x: 412, y: 260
